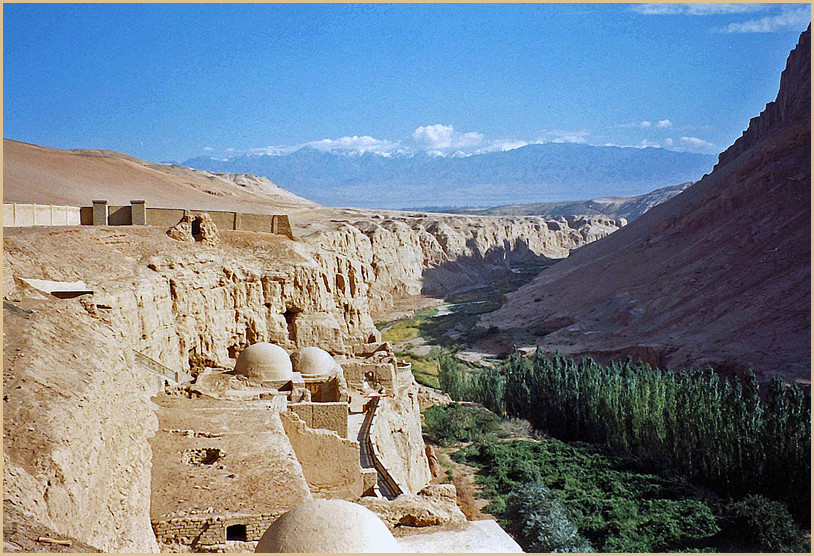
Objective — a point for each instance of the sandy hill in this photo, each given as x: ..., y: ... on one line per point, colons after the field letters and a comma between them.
x: 34, y: 174
x: 719, y: 274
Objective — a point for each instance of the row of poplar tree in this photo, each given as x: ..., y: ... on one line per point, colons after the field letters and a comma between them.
x: 728, y: 435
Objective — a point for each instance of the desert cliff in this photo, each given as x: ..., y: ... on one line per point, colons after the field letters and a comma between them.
x: 719, y: 274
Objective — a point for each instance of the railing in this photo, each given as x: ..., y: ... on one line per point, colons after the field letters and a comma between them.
x: 151, y: 364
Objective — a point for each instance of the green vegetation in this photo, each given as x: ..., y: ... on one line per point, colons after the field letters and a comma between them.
x: 406, y: 329
x: 425, y: 367
x: 716, y: 432
x: 667, y: 448
x: 763, y: 524
x: 451, y: 424
x: 536, y: 517
x: 615, y: 508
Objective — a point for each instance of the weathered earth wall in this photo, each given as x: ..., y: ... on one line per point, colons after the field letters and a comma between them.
x: 329, y: 462
x: 76, y: 420
x: 397, y: 441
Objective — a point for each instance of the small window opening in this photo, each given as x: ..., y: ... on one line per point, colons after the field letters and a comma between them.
x: 236, y: 533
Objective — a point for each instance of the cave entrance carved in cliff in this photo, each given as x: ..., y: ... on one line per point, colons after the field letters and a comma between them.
x: 289, y: 315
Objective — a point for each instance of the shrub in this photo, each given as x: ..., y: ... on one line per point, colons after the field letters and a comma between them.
x: 538, y: 521
x: 455, y: 423
x: 763, y: 523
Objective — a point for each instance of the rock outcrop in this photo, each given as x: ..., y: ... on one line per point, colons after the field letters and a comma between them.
x: 719, y: 275
x: 433, y: 505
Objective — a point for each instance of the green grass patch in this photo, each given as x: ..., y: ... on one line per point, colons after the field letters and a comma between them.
x: 407, y: 329
x: 425, y: 367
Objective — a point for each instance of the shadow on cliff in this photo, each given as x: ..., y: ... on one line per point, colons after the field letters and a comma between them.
x: 481, y: 269
x: 475, y: 285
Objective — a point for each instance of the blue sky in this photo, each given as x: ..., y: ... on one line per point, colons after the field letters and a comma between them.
x: 173, y: 81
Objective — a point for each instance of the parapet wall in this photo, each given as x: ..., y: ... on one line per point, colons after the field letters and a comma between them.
x: 329, y: 462
x: 377, y: 375
x: 137, y: 213
x: 332, y: 416
x: 26, y: 215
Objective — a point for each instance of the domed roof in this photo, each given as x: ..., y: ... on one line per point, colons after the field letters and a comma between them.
x: 264, y: 361
x: 313, y: 361
x: 328, y: 526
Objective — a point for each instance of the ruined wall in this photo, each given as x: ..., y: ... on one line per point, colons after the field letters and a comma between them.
x: 332, y: 416
x: 122, y: 215
x: 230, y: 456
x: 77, y: 419
x: 329, y: 462
x: 377, y: 375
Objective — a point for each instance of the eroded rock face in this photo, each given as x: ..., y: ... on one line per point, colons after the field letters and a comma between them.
x: 432, y: 505
x: 434, y: 255
x: 196, y: 228
x: 76, y: 420
x: 77, y: 455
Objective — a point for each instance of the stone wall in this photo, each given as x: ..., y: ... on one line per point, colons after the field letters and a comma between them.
x: 209, y: 530
x: 329, y: 462
x: 166, y: 217
x: 24, y: 215
x: 332, y: 416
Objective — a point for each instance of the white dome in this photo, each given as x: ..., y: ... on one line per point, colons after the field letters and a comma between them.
x: 264, y: 362
x: 313, y: 361
x: 328, y: 526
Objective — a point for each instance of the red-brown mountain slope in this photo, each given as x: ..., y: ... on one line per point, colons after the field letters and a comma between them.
x: 720, y: 274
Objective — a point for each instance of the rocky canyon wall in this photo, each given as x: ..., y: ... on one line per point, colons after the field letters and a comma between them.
x: 410, y: 254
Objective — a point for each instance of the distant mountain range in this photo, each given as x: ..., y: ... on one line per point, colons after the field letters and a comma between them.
x: 627, y: 207
x: 535, y: 173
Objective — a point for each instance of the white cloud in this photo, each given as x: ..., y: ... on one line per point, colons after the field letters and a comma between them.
x: 353, y: 144
x: 664, y: 124
x: 644, y: 124
x: 697, y: 143
x: 208, y: 149
x: 440, y: 136
x: 668, y: 142
x: 645, y: 143
x: 696, y: 9
x: 788, y: 20
x: 560, y: 136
